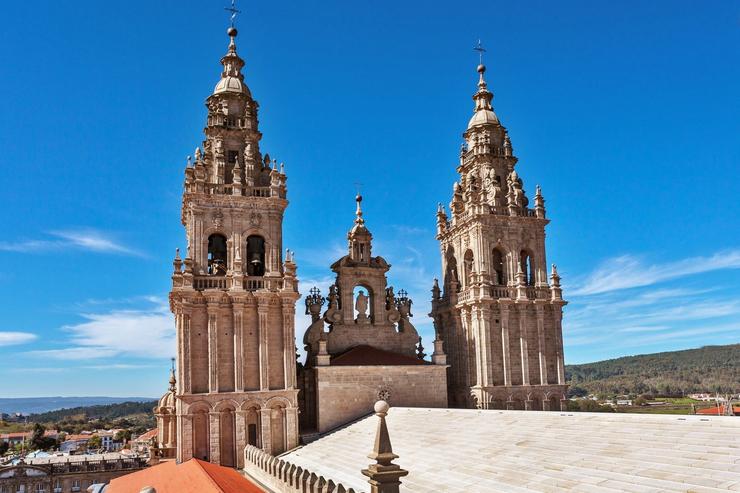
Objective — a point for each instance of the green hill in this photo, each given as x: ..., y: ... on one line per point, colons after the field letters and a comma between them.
x: 135, y: 416
x: 706, y: 369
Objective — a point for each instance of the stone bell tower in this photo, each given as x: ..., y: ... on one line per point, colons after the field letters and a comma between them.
x: 233, y: 295
x: 498, y: 316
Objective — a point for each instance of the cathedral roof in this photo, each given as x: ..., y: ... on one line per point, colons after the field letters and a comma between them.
x: 463, y: 450
x: 371, y: 356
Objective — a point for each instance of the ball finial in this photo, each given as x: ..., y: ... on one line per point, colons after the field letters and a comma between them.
x: 381, y: 407
x: 481, y: 68
x: 231, y: 32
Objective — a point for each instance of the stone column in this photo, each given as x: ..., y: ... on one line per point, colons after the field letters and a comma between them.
x: 288, y: 344
x: 468, y: 348
x: 262, y: 312
x: 182, y: 327
x: 478, y: 346
x: 171, y: 438
x: 265, y: 425
x: 523, y: 344
x: 214, y: 422
x: 213, y: 347
x: 541, y: 343
x: 238, y: 310
x: 484, y: 325
x: 185, y: 438
x: 241, y: 437
x: 291, y: 427
x: 559, y: 343
x: 506, y: 350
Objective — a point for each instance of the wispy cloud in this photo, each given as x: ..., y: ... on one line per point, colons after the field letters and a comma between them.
x: 84, y: 239
x: 147, y: 333
x: 619, y: 307
x: 13, y: 338
x: 628, y: 271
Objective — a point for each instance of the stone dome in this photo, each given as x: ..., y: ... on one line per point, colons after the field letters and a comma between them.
x: 167, y: 400
x: 483, y: 117
x: 231, y: 84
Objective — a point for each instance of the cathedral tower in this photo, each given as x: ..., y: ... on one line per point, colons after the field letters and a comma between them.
x: 233, y: 295
x: 498, y: 316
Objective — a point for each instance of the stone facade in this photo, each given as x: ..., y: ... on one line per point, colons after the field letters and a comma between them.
x: 498, y: 316
x: 234, y: 294
x: 370, y: 348
x: 65, y: 474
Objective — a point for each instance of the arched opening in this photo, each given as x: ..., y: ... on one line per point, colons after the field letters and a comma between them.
x: 518, y: 404
x: 231, y: 157
x: 450, y: 271
x: 217, y: 256
x: 277, y: 429
x: 228, y: 438
x: 468, y: 268
x: 253, y: 426
x: 362, y: 297
x: 525, y: 259
x: 499, y: 276
x: 201, y: 449
x: 498, y: 404
x: 536, y: 404
x: 255, y: 256
x: 554, y: 403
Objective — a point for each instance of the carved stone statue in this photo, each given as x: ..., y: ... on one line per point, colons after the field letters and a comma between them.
x: 361, y: 306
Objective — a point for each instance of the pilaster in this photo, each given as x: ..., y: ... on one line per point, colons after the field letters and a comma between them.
x: 213, y: 310
x: 214, y: 425
x: 262, y: 312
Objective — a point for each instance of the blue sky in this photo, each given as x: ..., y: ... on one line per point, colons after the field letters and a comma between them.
x: 625, y: 113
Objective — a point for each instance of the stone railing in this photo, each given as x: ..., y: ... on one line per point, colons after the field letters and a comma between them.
x: 283, y: 477
x: 97, y: 465
x: 498, y: 291
x: 248, y: 283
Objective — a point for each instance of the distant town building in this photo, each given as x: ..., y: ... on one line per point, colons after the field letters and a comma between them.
x: 65, y: 474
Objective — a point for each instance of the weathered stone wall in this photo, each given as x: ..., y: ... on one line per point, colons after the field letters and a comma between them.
x: 345, y: 393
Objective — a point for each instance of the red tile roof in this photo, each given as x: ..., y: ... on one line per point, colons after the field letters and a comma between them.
x: 715, y: 411
x: 370, y: 356
x: 145, y: 437
x: 193, y: 476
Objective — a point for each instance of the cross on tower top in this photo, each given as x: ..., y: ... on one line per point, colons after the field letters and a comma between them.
x: 233, y: 11
x: 479, y: 48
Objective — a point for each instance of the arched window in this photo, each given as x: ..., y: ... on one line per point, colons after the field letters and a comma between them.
x: 450, y: 271
x: 527, y: 267
x: 255, y: 256
x: 363, y: 304
x: 228, y: 438
x: 468, y: 261
x: 499, y: 277
x: 217, y: 254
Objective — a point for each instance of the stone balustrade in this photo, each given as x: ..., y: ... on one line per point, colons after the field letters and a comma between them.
x: 283, y: 477
x: 248, y: 283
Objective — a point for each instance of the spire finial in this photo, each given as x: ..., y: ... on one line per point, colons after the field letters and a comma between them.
x: 481, y: 68
x: 358, y: 199
x: 233, y: 11
x: 173, y: 382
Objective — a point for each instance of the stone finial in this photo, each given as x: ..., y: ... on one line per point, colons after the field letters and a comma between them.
x: 383, y: 476
x: 557, y: 292
x: 173, y: 381
x: 539, y: 203
x: 420, y: 350
x: 436, y: 292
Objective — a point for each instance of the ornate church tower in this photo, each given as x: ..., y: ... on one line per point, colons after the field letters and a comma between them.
x: 498, y: 316
x: 234, y: 295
